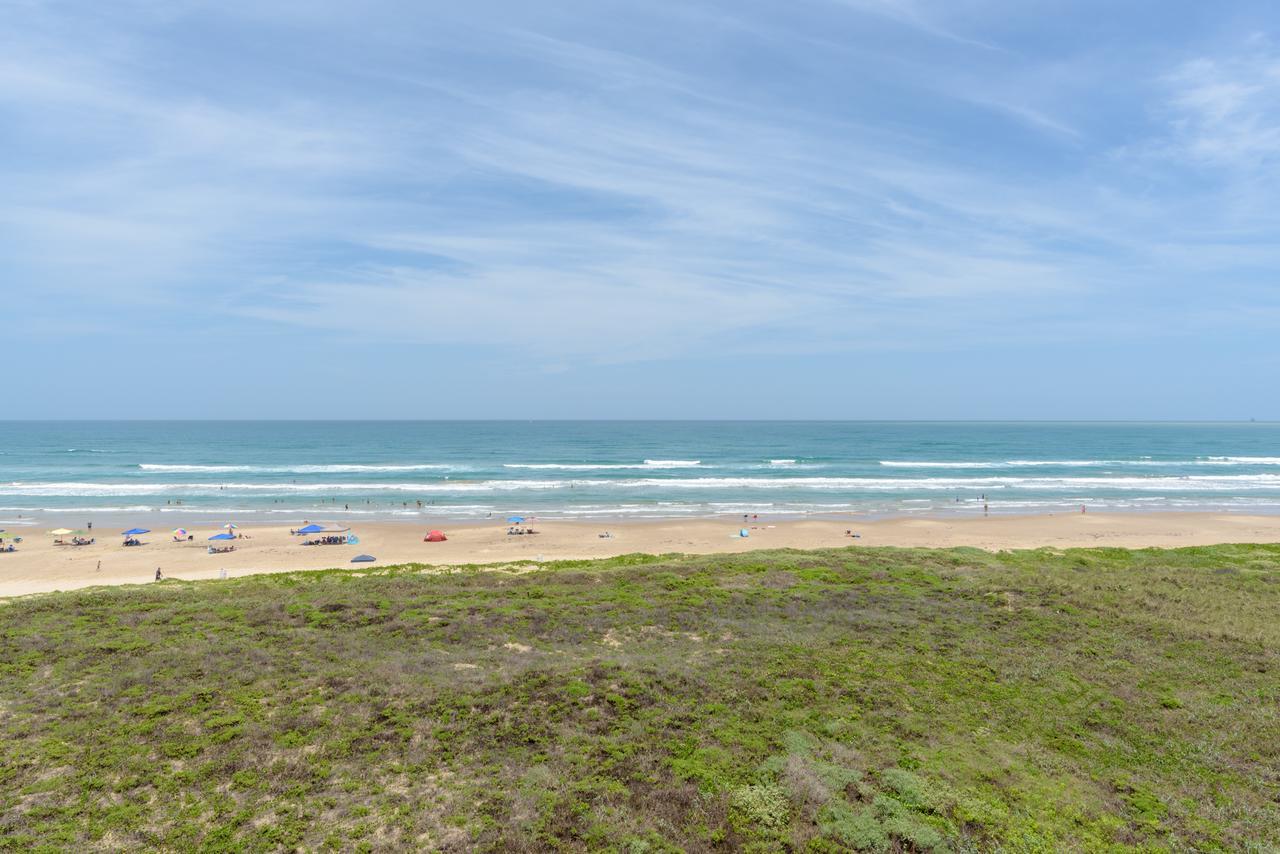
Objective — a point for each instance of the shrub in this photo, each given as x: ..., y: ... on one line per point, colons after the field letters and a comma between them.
x: 858, y: 829
x: 804, y: 783
x: 911, y: 829
x: 764, y: 804
x: 910, y: 789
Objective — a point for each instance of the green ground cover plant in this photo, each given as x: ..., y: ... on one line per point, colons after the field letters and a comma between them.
x: 848, y: 699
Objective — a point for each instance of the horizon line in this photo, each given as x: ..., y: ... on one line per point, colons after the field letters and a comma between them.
x: 642, y: 420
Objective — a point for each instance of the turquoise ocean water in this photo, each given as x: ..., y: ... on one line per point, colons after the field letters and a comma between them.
x: 477, y: 470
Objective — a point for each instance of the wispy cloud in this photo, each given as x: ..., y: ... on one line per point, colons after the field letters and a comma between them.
x: 918, y: 16
x: 1226, y: 110
x: 552, y: 185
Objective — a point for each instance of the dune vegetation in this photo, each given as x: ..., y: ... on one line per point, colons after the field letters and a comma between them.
x: 847, y: 699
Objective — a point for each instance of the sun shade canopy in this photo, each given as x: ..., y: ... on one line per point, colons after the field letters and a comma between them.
x: 323, y: 529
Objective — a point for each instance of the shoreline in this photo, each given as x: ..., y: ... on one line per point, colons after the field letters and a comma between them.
x: 170, y: 518
x: 41, y: 567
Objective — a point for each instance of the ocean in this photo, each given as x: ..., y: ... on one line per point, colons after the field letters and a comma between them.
x: 643, y: 469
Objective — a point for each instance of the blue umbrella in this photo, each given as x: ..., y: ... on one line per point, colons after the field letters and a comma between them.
x: 133, y: 532
x: 515, y: 520
x: 223, y: 537
x: 311, y: 529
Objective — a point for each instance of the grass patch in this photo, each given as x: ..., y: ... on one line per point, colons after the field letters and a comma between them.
x: 869, y: 699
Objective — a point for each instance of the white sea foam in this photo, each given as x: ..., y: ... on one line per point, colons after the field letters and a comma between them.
x: 337, y: 468
x: 1004, y: 464
x: 1143, y: 461
x: 1170, y: 483
x: 930, y: 464
x: 647, y: 464
x: 138, y: 508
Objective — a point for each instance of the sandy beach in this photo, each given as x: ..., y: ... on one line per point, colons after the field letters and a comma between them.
x: 40, y: 566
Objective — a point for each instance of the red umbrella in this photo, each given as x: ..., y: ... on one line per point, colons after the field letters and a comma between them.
x: 435, y: 537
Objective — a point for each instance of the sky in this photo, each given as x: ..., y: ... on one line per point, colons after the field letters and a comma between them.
x: 665, y: 209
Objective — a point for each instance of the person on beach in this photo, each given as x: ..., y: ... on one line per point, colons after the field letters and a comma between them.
x: 159, y: 576
x: 986, y: 511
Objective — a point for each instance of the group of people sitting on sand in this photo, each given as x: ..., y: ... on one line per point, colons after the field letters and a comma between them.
x: 76, y: 541
x: 132, y: 541
x: 7, y: 548
x: 513, y: 531
x: 336, y: 540
x: 217, y: 550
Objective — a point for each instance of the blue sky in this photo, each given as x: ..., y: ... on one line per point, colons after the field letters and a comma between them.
x: 818, y: 208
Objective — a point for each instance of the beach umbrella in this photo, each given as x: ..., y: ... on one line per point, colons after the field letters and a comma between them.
x: 436, y: 537
x: 363, y: 559
x: 223, y: 537
x: 62, y: 532
x: 311, y: 529
x: 515, y: 520
x: 231, y: 526
x: 134, y: 532
x: 180, y: 532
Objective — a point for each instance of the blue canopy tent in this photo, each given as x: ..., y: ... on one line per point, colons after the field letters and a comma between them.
x: 515, y: 520
x: 134, y: 532
x: 322, y: 529
x: 223, y: 537
x: 363, y: 559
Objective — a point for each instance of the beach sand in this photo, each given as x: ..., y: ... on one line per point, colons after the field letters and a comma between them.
x: 40, y: 566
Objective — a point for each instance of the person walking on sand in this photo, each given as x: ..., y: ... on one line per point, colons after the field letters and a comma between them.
x: 986, y: 510
x: 159, y: 576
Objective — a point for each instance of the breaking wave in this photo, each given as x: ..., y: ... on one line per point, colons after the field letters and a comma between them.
x: 1186, y: 483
